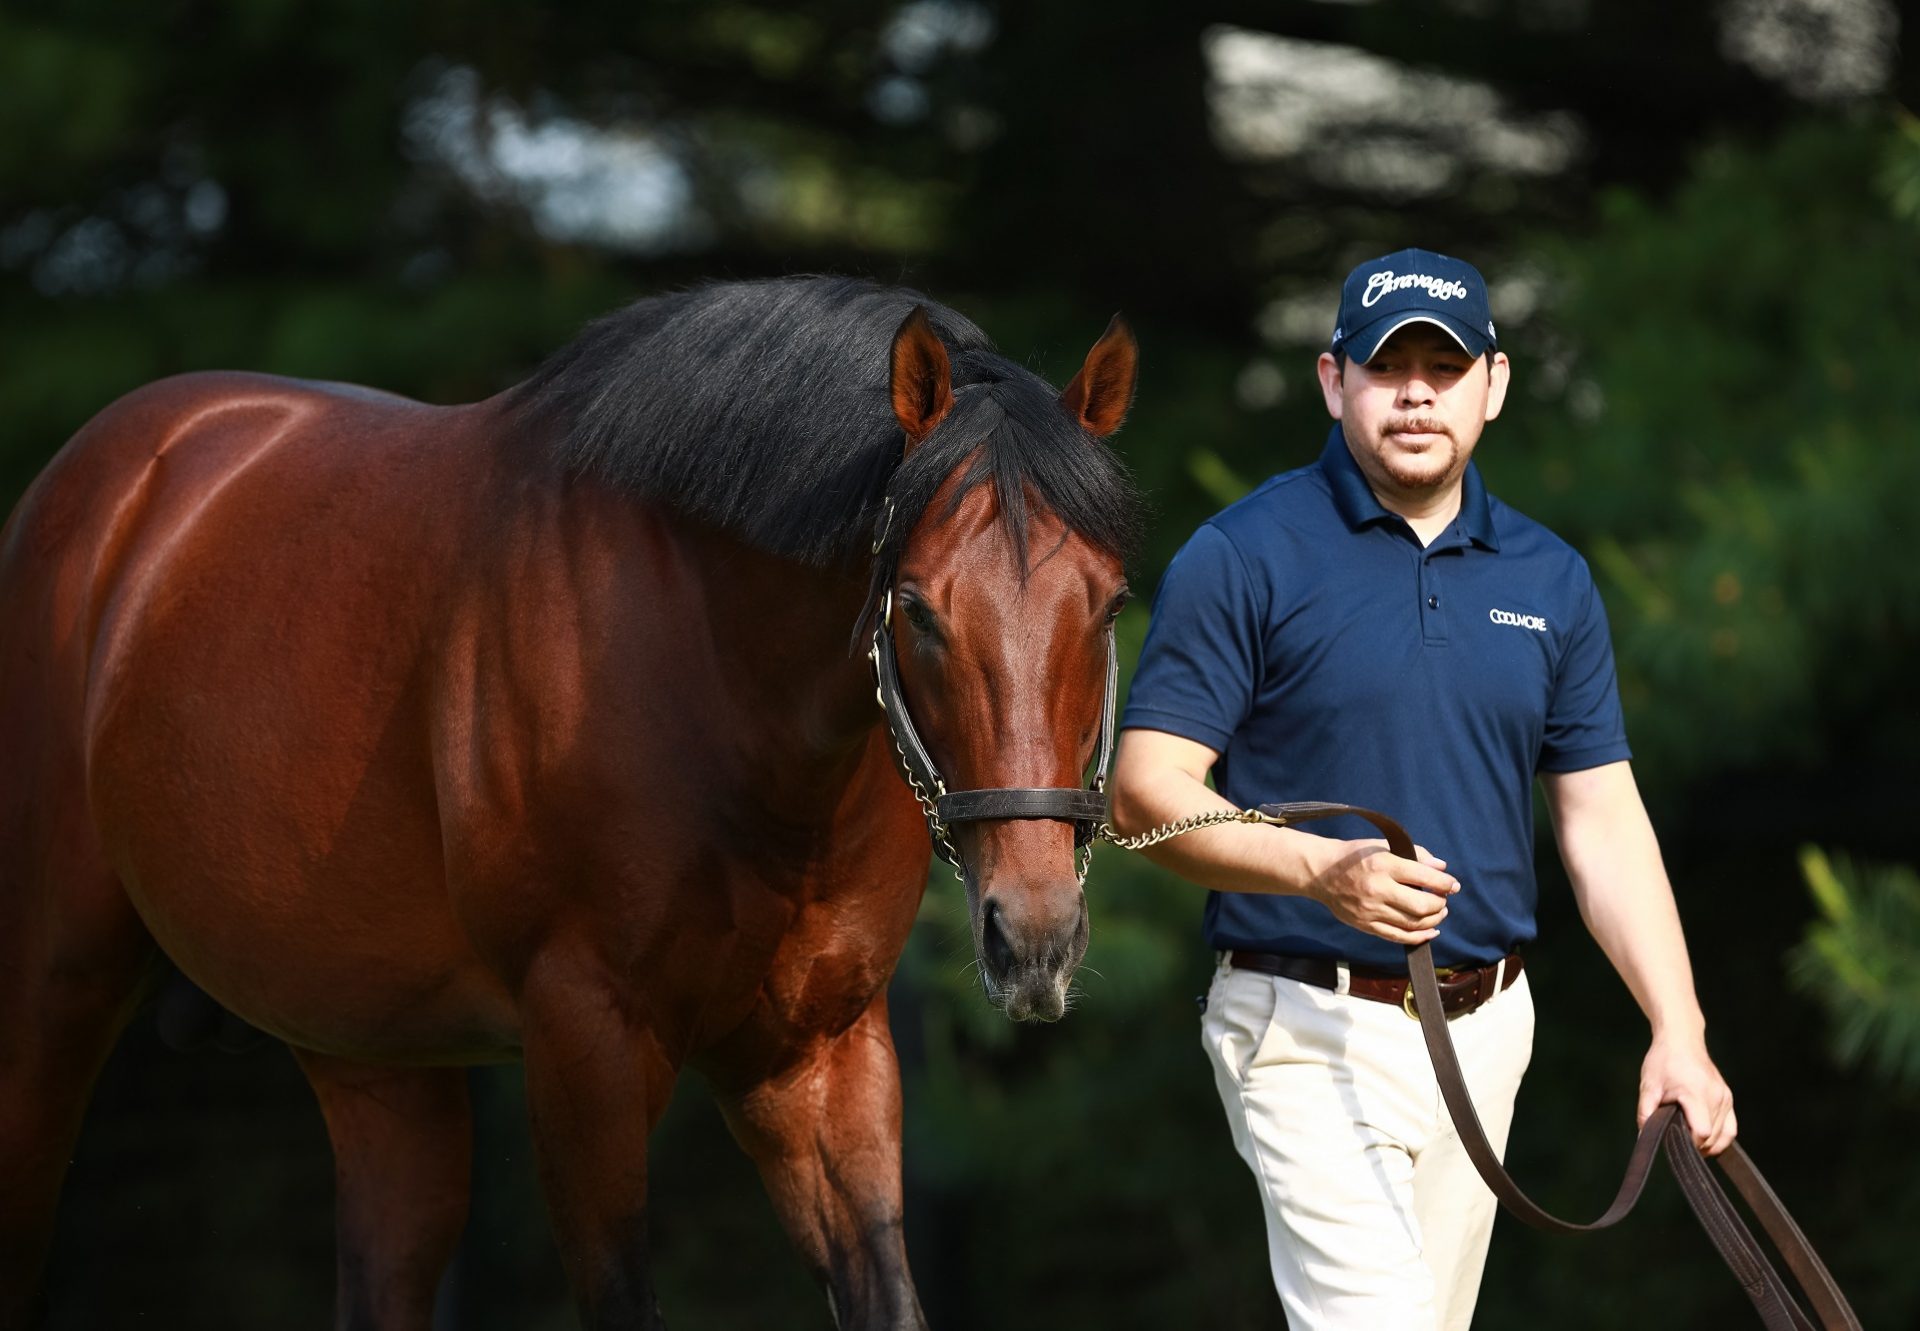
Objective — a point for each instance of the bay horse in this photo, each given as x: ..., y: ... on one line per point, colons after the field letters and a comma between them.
x: 422, y: 737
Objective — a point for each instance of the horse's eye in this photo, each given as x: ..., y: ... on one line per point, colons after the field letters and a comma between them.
x: 1119, y: 604
x: 918, y: 615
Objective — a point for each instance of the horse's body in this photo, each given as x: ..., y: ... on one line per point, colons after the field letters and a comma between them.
x: 563, y: 678
x: 418, y: 745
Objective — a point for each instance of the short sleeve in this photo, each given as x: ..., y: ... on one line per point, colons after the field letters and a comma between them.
x: 1201, y: 665
x: 1584, y: 725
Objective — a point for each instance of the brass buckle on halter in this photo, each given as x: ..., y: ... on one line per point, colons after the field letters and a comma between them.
x: 1406, y: 999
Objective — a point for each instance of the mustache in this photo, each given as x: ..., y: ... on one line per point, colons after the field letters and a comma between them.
x: 1414, y: 425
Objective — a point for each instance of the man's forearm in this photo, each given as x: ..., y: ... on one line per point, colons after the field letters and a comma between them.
x: 1161, y: 778
x: 1613, y: 860
x: 1232, y: 857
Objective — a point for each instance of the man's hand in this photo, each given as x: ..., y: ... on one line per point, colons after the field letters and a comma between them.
x: 1679, y: 1070
x: 1372, y: 889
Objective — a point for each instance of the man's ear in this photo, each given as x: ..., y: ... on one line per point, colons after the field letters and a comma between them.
x: 1499, y: 379
x: 1100, y: 394
x: 1330, y: 371
x: 921, y: 377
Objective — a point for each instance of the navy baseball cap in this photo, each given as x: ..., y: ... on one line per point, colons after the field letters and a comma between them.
x: 1386, y: 294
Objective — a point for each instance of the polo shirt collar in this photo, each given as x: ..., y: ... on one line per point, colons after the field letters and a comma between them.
x: 1358, y: 507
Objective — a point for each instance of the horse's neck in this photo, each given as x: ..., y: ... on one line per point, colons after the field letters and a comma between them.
x: 785, y: 637
x: 747, y: 656
x: 731, y: 666
x: 776, y: 633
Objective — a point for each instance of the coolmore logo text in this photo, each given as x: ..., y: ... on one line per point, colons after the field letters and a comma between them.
x: 1534, y: 622
x: 1387, y: 280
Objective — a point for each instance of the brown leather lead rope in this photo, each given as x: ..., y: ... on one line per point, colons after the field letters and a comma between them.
x: 1666, y: 1126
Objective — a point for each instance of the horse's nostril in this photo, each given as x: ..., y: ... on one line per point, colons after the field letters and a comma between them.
x: 994, y: 946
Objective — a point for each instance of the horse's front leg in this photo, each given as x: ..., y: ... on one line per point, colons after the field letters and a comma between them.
x: 402, y: 1149
x: 825, y: 1132
x: 598, y: 1080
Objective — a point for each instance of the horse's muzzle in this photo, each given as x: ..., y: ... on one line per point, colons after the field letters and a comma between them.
x: 1030, y: 944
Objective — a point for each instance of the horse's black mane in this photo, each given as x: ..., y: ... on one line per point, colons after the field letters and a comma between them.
x: 763, y: 408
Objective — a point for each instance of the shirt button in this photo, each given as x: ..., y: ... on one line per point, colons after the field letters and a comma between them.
x: 1433, y: 603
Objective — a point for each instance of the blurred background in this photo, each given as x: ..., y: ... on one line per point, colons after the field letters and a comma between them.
x: 1701, y: 223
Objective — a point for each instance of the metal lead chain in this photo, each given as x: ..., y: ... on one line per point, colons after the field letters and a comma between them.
x: 1181, y: 826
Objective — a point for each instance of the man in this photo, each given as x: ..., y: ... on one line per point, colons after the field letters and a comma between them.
x: 1376, y: 629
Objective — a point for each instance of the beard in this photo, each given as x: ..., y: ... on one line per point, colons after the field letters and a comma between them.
x: 1437, y: 463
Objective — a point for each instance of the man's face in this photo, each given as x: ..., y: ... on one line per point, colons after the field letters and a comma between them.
x: 1413, y: 413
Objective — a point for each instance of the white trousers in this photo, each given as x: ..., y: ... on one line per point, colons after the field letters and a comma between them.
x: 1375, y: 1215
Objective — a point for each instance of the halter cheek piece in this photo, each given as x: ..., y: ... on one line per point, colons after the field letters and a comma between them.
x: 1084, y: 807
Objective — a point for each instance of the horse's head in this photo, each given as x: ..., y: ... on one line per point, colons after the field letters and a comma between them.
x: 1003, y: 593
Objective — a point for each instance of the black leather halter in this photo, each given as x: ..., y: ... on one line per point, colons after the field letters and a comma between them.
x: 1084, y: 807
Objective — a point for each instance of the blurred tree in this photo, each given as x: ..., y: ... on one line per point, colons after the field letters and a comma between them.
x: 1861, y: 959
x: 1720, y: 416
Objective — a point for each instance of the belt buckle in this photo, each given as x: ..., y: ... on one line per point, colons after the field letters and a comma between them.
x: 1406, y: 999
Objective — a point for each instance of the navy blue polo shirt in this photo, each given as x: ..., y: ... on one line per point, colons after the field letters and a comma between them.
x: 1307, y: 637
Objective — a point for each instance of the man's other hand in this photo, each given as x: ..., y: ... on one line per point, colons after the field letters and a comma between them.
x: 1679, y: 1070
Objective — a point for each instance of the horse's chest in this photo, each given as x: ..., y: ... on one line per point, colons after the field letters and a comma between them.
x: 836, y: 955
x: 822, y: 919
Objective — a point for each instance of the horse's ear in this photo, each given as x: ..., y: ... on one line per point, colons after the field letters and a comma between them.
x: 922, y: 378
x: 1100, y: 394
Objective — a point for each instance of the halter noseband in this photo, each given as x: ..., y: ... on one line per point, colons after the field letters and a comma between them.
x: 1084, y: 807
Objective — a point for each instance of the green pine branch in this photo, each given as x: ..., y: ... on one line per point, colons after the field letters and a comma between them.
x: 1861, y: 961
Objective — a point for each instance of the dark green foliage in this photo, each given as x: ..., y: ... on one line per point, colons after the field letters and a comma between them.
x: 1732, y: 448
x: 1862, y: 959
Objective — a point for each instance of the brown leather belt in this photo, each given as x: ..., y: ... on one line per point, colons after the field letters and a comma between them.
x: 1462, y: 989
